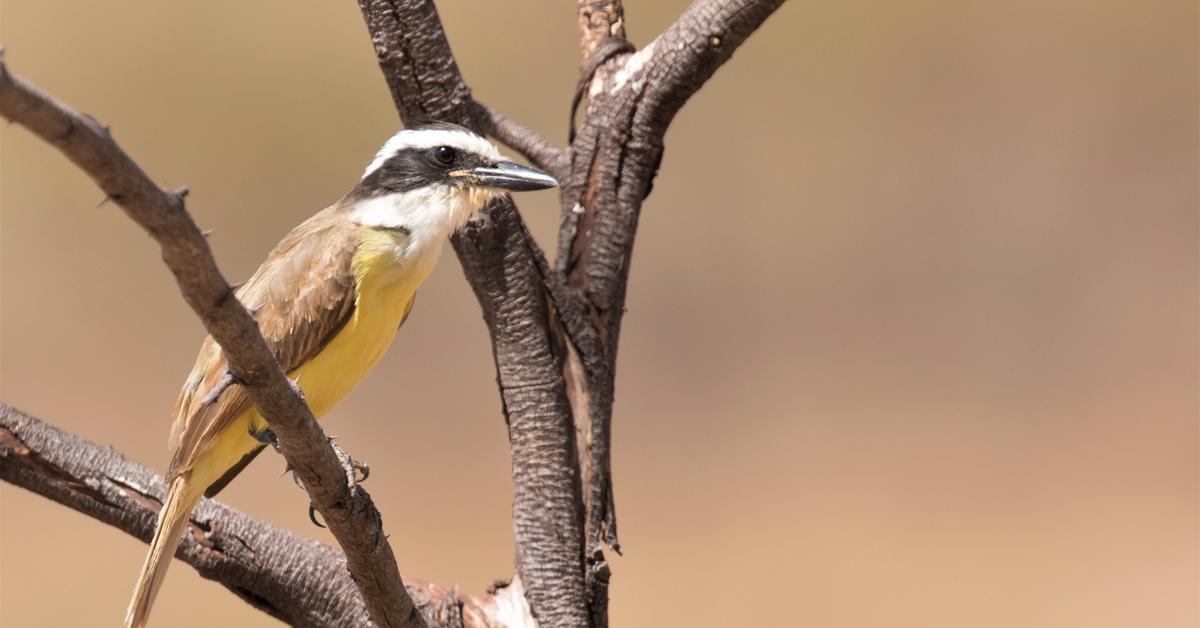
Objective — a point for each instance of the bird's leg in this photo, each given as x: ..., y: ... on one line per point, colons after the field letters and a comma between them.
x: 227, y: 379
x: 352, y: 467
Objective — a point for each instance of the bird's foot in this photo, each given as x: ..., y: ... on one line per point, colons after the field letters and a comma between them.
x: 227, y: 380
x: 352, y: 467
x: 356, y: 471
x: 266, y: 437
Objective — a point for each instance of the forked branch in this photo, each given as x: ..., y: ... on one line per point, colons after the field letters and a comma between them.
x: 502, y: 264
x: 554, y: 331
x: 349, y: 512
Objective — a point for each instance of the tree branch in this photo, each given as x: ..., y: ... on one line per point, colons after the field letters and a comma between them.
x: 685, y: 56
x: 501, y: 264
x: 554, y: 330
x: 522, y: 139
x: 615, y: 156
x: 297, y: 580
x: 613, y: 160
x: 599, y: 20
x: 348, y: 510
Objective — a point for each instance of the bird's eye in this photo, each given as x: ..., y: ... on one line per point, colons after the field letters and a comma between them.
x: 444, y: 155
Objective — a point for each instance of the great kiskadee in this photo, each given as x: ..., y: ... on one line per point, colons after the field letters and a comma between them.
x: 328, y: 299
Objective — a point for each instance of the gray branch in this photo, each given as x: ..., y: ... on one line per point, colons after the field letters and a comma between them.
x: 554, y: 327
x: 502, y: 265
x: 292, y: 578
x: 687, y: 54
x: 556, y: 368
x: 349, y: 512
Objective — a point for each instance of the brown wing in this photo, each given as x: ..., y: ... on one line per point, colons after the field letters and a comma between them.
x: 301, y: 297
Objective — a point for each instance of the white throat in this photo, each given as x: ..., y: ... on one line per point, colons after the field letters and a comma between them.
x: 429, y: 214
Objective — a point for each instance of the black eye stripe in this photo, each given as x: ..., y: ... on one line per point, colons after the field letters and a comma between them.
x: 414, y: 167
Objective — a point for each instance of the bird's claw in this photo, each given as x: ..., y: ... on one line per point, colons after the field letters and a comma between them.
x: 266, y: 437
x: 351, y: 466
x: 355, y: 472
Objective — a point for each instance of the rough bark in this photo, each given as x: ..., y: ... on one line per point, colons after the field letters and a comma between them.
x: 555, y: 331
x: 347, y: 509
x: 632, y: 98
x: 554, y: 327
x: 297, y: 580
x: 500, y: 261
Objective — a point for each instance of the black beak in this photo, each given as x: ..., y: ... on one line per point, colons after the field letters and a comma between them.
x: 509, y: 176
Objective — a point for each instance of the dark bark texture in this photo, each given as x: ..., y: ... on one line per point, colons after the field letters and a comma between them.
x: 554, y: 329
x: 348, y: 510
x: 297, y: 580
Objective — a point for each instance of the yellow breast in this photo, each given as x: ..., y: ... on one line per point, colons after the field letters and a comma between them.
x: 386, y: 283
x: 385, y: 290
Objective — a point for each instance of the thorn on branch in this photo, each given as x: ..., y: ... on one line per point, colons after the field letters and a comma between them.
x: 295, y: 477
x: 67, y: 133
x: 162, y: 215
x: 295, y: 383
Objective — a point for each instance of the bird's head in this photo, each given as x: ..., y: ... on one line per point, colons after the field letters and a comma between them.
x: 435, y: 177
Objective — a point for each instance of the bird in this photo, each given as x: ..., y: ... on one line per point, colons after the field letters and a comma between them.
x: 328, y: 299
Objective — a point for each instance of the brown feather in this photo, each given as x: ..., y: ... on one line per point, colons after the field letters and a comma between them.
x: 301, y: 296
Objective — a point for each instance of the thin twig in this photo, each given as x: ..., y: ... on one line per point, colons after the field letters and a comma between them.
x: 606, y: 50
x: 186, y: 252
x: 537, y: 149
x: 548, y: 326
x: 688, y: 52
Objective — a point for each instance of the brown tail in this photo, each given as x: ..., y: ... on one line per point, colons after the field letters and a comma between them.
x: 172, y: 521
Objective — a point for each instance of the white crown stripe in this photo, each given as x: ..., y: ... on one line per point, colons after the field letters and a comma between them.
x: 430, y: 138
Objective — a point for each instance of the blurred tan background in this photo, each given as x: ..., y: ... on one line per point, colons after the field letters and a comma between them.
x: 912, y: 331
